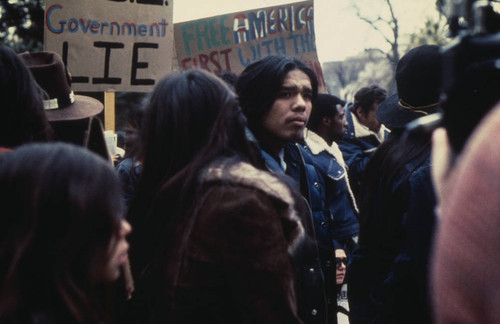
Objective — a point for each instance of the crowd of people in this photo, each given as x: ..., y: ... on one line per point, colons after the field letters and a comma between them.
x: 248, y: 198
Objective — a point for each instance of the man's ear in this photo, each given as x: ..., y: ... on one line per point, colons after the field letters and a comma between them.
x: 327, y: 121
x: 359, y: 112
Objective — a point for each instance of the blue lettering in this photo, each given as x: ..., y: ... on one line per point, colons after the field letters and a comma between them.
x: 187, y: 37
x: 48, y: 19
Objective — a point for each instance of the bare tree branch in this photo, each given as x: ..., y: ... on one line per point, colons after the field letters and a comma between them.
x: 373, y: 23
x: 376, y: 28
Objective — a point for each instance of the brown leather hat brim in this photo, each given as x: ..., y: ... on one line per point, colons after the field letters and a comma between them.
x: 83, y: 107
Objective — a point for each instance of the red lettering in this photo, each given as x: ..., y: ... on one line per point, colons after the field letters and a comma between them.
x: 204, y: 61
x: 214, y: 58
x: 215, y: 61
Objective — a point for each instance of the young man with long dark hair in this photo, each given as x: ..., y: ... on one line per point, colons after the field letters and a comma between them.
x: 276, y: 95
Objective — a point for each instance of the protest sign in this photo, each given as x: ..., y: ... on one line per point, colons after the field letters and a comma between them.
x: 120, y: 45
x: 233, y: 41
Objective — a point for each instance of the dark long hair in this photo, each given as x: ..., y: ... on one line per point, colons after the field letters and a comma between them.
x: 388, y: 168
x: 23, y: 119
x: 259, y: 84
x: 192, y: 119
x: 61, y: 207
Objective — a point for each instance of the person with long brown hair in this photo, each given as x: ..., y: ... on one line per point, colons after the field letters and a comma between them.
x: 213, y: 232
x: 62, y: 235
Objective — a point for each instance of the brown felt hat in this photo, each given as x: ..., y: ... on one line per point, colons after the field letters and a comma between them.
x: 52, y: 76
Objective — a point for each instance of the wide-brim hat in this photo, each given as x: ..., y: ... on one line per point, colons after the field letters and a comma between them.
x: 53, y: 78
x: 418, y: 80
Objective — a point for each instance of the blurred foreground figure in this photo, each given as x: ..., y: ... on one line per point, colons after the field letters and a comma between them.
x: 465, y: 169
x: 62, y: 235
x: 469, y: 215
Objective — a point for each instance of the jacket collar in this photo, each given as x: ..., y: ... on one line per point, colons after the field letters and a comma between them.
x: 271, y: 163
x: 247, y: 175
x: 361, y: 130
x: 317, y: 145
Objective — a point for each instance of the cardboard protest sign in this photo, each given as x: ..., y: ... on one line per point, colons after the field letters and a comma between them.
x: 233, y: 41
x: 121, y: 45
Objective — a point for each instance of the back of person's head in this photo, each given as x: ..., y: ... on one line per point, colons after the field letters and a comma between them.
x: 418, y: 79
x: 324, y: 105
x: 192, y: 120
x: 259, y: 84
x: 366, y: 97
x: 23, y: 118
x: 60, y: 220
x: 191, y: 116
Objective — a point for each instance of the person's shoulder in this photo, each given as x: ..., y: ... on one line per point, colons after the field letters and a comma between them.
x: 125, y: 164
x: 256, y: 194
x: 246, y: 175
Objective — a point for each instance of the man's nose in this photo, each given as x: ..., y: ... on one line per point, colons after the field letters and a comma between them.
x: 300, y: 102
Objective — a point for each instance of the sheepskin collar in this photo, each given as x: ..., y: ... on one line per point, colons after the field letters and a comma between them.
x: 245, y: 174
x: 361, y: 130
x: 317, y: 145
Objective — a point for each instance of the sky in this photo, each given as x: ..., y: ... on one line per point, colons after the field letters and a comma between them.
x: 339, y: 32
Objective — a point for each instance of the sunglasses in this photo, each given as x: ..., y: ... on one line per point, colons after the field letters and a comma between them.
x: 339, y: 261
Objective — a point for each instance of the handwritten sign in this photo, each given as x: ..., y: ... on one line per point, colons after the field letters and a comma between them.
x: 118, y: 45
x: 233, y: 41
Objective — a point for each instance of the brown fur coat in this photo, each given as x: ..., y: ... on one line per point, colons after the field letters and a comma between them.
x: 233, y: 263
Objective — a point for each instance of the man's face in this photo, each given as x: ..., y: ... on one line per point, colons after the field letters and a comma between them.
x: 339, y: 123
x: 287, y: 118
x: 369, y: 119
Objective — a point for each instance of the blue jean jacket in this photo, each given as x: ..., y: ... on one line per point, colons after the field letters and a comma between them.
x: 341, y: 216
x: 311, y: 273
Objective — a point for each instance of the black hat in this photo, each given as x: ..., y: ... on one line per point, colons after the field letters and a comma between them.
x: 418, y: 80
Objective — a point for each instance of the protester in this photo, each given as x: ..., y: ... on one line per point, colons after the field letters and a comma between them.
x: 23, y: 119
x: 212, y: 233
x: 276, y: 95
x: 388, y: 273
x: 341, y: 261
x: 326, y: 125
x: 129, y: 169
x: 73, y: 117
x: 364, y: 133
x: 62, y: 235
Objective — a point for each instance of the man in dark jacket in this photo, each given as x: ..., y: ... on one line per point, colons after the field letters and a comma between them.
x: 327, y: 125
x: 364, y: 133
x: 276, y: 96
x: 388, y: 280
